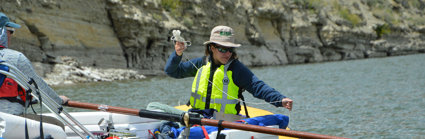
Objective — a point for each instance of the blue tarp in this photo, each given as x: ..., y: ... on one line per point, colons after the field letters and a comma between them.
x: 267, y: 120
x: 2, y: 77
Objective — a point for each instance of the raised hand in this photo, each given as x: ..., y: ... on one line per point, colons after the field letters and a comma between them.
x: 180, y: 47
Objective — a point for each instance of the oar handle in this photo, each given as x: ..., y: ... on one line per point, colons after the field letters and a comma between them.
x: 197, y: 120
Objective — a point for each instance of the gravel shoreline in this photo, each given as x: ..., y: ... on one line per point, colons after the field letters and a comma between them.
x: 70, y: 71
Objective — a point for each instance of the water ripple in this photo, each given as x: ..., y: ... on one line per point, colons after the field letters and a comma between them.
x: 369, y: 98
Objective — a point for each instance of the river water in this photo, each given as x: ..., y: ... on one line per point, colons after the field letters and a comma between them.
x: 368, y: 98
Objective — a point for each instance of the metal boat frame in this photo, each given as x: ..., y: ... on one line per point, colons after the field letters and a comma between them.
x: 27, y: 83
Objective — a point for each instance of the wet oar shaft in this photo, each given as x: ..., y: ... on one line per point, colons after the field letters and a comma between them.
x: 102, y: 107
x: 194, y: 120
x: 128, y: 111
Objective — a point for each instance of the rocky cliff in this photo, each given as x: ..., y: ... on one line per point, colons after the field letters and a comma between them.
x: 134, y: 34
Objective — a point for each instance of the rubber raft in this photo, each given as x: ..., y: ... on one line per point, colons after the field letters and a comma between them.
x: 123, y: 126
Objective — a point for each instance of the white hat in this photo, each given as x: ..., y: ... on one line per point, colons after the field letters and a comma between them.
x: 222, y: 35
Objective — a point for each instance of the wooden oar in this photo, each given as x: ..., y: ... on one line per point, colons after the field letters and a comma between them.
x: 196, y: 120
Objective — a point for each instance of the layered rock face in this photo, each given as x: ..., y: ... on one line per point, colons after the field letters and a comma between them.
x: 135, y: 34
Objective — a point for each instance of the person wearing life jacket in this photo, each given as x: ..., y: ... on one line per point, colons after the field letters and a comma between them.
x: 12, y: 96
x: 220, y: 77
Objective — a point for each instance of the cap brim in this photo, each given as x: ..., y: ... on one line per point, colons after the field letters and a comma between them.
x: 13, y: 25
x: 226, y: 44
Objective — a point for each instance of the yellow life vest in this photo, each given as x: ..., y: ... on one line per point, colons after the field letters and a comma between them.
x: 224, y: 93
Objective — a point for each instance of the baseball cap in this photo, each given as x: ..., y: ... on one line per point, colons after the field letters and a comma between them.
x: 4, y: 21
x: 222, y: 35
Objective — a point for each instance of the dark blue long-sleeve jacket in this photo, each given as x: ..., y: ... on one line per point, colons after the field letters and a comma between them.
x: 242, y: 77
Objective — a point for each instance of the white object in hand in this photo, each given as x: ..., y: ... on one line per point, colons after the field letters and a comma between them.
x: 177, y: 37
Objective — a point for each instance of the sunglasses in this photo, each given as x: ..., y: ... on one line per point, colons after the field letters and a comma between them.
x: 225, y: 50
x: 11, y: 30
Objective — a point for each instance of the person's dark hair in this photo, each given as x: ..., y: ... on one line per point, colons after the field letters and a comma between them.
x: 208, y: 51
